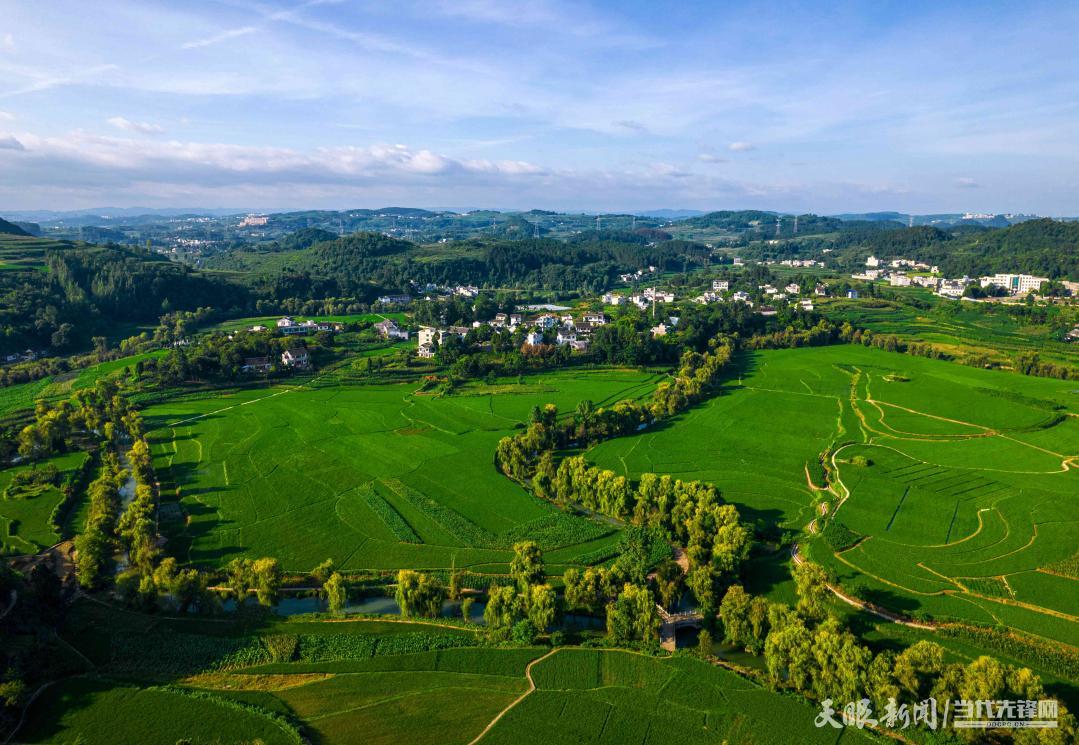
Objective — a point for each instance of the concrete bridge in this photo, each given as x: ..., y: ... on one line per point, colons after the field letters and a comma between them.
x: 669, y: 623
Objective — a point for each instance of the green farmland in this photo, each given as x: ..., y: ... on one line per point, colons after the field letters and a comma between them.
x: 376, y: 477
x: 336, y: 683
x: 970, y: 495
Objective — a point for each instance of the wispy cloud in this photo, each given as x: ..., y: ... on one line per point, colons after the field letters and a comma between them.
x: 7, y: 43
x: 7, y: 116
x: 145, y: 128
x: 218, y: 38
x: 741, y: 147
x: 965, y: 182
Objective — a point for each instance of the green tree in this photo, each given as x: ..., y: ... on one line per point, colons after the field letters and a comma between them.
x: 633, y: 615
x: 734, y: 615
x: 336, y: 593
x: 526, y: 567
x: 542, y: 607
x: 418, y: 595
x: 704, y: 644
x: 811, y: 584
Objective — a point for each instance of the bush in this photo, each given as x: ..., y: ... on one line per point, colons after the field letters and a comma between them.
x: 524, y: 633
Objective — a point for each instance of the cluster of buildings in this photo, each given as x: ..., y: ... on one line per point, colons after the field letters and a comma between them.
x: 27, y: 356
x: 567, y: 330
x: 895, y: 272
x: 642, y: 300
x: 790, y: 293
x: 290, y: 327
x: 634, y: 276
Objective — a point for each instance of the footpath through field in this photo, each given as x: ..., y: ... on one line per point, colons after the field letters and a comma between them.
x: 519, y: 699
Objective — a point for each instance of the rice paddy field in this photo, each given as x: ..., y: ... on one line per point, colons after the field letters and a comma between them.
x: 959, y: 486
x: 26, y: 512
x: 342, y: 682
x: 375, y: 476
x: 610, y: 696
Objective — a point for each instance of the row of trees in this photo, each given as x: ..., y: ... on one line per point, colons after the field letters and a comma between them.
x: 520, y: 456
x: 809, y: 651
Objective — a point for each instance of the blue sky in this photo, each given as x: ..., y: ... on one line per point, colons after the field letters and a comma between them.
x: 819, y: 107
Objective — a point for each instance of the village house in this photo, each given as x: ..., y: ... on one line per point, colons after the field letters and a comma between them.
x: 899, y: 280
x: 567, y: 320
x: 596, y: 319
x: 611, y: 298
x: 820, y: 290
x: 707, y: 297
x: 766, y: 310
x: 660, y: 330
x: 805, y: 304
x: 389, y: 329
x: 516, y: 319
x: 296, y: 358
x: 793, y: 288
x: 565, y: 336
x: 742, y: 296
x: 546, y: 321
x: 872, y: 261
x: 579, y: 345
x: 721, y: 285
x: 469, y: 291
x: 533, y: 339
x: 394, y: 299
x: 852, y: 294
x: 256, y: 365
x: 425, y: 351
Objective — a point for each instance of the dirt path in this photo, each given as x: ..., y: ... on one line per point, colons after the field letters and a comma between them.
x: 519, y: 699
x: 862, y: 605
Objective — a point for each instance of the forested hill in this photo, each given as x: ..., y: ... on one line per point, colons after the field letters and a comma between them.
x: 363, y: 265
x: 9, y: 228
x: 80, y: 291
x: 751, y: 221
x: 1042, y: 247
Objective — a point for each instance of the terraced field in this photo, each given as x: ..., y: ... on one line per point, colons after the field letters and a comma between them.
x: 969, y: 492
x: 372, y: 476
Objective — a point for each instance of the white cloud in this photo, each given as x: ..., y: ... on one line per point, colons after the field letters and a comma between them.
x: 10, y: 143
x: 965, y: 182
x: 741, y: 147
x: 218, y: 38
x: 145, y: 128
x: 7, y: 43
x: 710, y: 158
x: 6, y: 116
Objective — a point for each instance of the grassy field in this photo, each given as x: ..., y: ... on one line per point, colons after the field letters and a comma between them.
x: 372, y: 476
x: 384, y: 682
x: 25, y: 526
x: 236, y: 324
x: 971, y: 490
x: 586, y: 695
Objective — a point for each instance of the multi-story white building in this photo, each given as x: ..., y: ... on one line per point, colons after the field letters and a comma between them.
x: 721, y: 285
x: 1016, y: 284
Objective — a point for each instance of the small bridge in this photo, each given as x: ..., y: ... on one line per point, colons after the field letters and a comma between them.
x: 670, y: 623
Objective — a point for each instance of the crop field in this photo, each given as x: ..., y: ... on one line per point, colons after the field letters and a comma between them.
x: 386, y: 682
x: 376, y: 477
x: 586, y: 695
x: 969, y: 492
x: 20, y: 396
x: 958, y: 328
x: 25, y: 513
